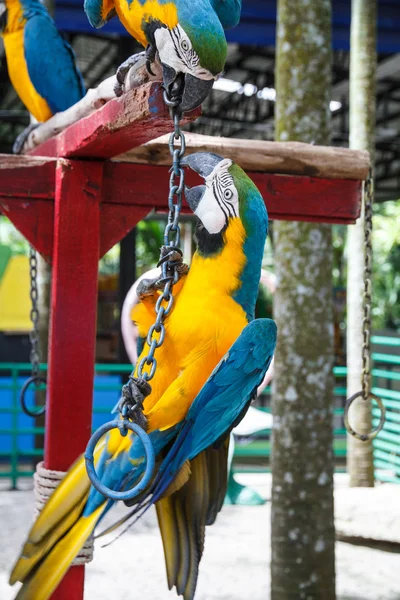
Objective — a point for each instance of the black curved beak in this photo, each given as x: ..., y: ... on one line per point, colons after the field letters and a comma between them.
x: 194, y: 195
x: 204, y: 164
x: 192, y: 90
x: 195, y: 92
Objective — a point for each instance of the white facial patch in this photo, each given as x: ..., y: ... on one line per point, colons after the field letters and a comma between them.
x: 175, y: 50
x: 221, y: 199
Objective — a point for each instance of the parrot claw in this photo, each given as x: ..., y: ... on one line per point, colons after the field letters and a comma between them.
x: 122, y: 72
x: 149, y: 287
x: 130, y: 404
x: 22, y: 138
x: 150, y: 53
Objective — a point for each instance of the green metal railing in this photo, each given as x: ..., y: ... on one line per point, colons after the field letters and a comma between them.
x: 16, y: 463
x: 387, y: 386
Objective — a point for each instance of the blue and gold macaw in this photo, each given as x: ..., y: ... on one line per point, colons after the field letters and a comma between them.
x: 187, y: 38
x: 209, y: 367
x: 41, y: 64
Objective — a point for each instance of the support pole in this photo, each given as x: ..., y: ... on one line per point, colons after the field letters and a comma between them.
x: 72, y: 325
x: 362, y: 137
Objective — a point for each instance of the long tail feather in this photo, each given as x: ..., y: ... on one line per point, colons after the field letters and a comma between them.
x: 46, y: 578
x: 33, y: 553
x: 74, y: 487
x: 169, y: 533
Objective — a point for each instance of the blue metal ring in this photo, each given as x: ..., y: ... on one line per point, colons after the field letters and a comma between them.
x: 123, y: 426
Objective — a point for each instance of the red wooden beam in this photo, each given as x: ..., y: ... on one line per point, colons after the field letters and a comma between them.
x: 72, y: 325
x: 129, y: 192
x: 287, y: 197
x: 121, y: 124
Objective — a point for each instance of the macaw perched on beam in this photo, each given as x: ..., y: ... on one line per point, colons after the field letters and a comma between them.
x: 187, y: 38
x: 209, y: 367
x: 41, y: 64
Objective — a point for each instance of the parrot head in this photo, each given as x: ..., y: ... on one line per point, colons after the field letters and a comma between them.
x: 227, y: 192
x: 187, y: 39
x: 192, y: 54
x: 232, y: 214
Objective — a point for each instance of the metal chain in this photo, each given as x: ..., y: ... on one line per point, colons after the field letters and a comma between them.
x: 366, y: 369
x: 170, y: 274
x: 138, y: 387
x: 34, y: 314
x: 35, y: 377
x: 365, y: 393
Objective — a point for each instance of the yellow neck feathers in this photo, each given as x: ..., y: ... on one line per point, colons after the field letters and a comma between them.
x: 133, y: 15
x: 220, y: 274
x: 15, y: 17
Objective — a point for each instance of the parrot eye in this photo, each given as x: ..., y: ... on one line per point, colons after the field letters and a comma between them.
x: 228, y: 194
x: 185, y: 45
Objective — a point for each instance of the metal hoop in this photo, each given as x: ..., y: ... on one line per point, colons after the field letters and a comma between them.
x: 363, y: 437
x: 123, y: 426
x: 28, y: 411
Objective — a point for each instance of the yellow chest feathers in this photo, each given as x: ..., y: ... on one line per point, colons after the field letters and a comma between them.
x: 19, y: 76
x: 204, y: 306
x: 135, y: 13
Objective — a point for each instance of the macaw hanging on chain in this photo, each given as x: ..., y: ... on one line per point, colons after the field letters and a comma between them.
x: 41, y: 64
x: 213, y: 358
x: 185, y: 36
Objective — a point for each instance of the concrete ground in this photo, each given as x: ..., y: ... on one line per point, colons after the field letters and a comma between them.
x: 235, y: 565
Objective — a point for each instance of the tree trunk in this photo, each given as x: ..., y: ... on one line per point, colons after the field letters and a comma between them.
x: 362, y: 125
x: 302, y: 560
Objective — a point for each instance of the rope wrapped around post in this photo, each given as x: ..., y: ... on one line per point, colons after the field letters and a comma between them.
x: 45, y: 482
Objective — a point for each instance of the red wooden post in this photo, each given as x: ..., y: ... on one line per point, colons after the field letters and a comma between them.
x: 72, y: 325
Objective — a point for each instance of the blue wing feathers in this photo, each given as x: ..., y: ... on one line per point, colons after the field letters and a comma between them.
x: 218, y: 405
x: 222, y: 399
x: 51, y: 64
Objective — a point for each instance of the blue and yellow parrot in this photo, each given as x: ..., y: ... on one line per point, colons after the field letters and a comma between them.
x: 41, y: 64
x: 213, y: 358
x: 187, y: 38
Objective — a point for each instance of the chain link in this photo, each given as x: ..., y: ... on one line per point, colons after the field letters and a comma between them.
x: 34, y: 315
x: 169, y: 266
x: 366, y: 325
x: 365, y: 393
x: 35, y: 377
x: 130, y: 405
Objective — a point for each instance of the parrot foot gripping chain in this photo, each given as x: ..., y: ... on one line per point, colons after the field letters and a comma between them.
x: 130, y: 405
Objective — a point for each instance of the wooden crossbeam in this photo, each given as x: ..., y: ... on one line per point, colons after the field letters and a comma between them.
x: 130, y: 191
x: 289, y: 158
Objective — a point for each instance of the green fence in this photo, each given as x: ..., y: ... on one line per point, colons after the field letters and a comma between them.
x: 387, y: 386
x: 17, y: 462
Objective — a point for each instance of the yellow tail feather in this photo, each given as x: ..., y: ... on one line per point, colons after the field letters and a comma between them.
x: 69, y: 493
x: 45, y: 580
x: 32, y: 553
